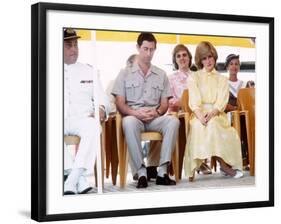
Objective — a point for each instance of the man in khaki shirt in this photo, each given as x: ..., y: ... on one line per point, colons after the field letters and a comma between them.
x: 142, y: 92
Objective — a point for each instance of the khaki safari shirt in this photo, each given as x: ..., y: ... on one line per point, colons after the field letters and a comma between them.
x: 142, y: 91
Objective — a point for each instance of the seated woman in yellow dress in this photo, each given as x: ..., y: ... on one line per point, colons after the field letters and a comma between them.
x: 210, y: 132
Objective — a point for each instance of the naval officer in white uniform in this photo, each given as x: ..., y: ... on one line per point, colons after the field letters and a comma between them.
x: 79, y: 116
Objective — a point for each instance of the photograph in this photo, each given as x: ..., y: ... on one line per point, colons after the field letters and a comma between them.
x: 122, y: 48
x: 137, y: 105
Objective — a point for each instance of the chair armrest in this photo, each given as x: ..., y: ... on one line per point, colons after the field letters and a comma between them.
x: 181, y: 114
x: 243, y: 112
x: 119, y: 129
x: 172, y: 113
x: 71, y: 139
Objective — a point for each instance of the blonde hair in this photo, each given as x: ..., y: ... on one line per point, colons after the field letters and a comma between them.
x: 203, y: 50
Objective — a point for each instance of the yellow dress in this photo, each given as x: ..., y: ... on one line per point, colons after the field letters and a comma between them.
x: 207, y: 91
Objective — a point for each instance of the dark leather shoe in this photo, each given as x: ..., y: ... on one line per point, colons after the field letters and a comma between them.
x: 151, y: 172
x: 68, y: 193
x: 165, y: 180
x: 85, y: 191
x: 136, y: 177
x: 142, y: 182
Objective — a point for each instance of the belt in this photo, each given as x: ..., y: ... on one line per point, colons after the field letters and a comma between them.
x: 207, y: 106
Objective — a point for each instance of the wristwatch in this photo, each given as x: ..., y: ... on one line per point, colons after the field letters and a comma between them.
x: 102, y: 108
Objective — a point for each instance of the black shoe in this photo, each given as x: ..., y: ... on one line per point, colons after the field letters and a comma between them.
x: 165, y: 180
x: 85, y: 191
x: 65, y: 177
x: 136, y: 177
x: 142, y: 182
x: 69, y: 193
x: 151, y: 172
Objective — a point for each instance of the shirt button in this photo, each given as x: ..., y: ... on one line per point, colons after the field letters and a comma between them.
x: 144, y: 91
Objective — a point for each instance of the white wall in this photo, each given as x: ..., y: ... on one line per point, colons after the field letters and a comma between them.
x: 15, y: 110
x: 112, y: 56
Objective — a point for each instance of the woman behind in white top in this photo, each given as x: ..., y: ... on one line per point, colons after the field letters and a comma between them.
x: 232, y: 64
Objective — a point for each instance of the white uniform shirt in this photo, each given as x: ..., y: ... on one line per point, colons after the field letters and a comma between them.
x: 234, y: 87
x: 79, y: 91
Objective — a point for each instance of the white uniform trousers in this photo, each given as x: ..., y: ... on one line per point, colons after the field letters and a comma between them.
x: 85, y: 158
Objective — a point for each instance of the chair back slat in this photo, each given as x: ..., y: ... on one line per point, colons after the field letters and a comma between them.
x: 246, y: 101
x: 185, y: 101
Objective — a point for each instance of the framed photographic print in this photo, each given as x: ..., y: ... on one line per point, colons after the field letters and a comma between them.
x: 104, y: 39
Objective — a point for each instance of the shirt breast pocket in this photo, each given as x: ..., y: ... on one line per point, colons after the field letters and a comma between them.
x: 86, y: 88
x: 133, y: 90
x: 157, y: 90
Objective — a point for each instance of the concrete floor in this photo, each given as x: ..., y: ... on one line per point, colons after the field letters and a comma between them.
x: 214, y: 180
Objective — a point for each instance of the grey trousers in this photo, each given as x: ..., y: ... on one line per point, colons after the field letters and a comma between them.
x: 167, y: 125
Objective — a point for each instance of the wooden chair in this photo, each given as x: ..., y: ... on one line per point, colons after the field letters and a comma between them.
x: 185, y: 102
x: 246, y: 111
x: 110, y: 146
x: 123, y: 155
x: 246, y: 104
x: 184, y: 117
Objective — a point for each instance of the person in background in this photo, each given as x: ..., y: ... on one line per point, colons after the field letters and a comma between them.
x: 79, y: 116
x: 129, y: 63
x: 210, y: 131
x: 132, y: 59
x: 232, y: 65
x: 142, y: 94
x: 182, y: 59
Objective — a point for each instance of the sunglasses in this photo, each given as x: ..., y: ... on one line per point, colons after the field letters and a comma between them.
x: 181, y: 55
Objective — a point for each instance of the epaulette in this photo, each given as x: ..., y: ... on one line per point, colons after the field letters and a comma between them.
x: 158, y: 70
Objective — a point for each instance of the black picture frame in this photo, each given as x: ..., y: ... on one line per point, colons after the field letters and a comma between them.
x: 39, y: 109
